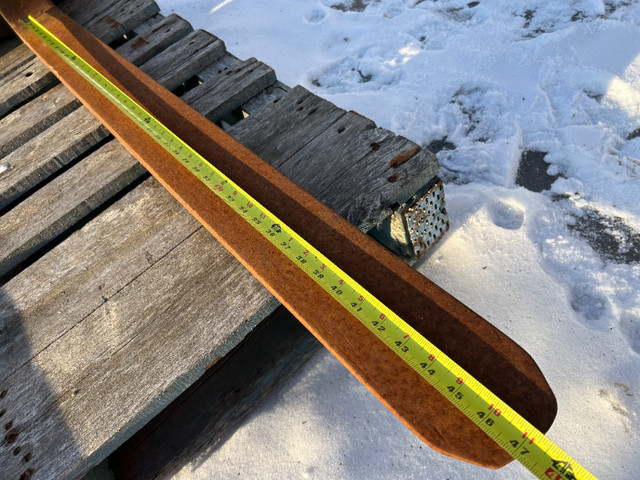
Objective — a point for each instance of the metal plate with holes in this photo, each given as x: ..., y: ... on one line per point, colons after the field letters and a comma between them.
x: 427, y: 220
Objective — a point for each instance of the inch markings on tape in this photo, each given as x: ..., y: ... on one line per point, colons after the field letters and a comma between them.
x: 511, y: 431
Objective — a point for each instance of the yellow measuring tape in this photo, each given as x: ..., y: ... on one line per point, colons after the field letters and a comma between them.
x: 511, y: 431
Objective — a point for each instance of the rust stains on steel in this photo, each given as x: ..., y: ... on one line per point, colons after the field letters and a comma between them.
x: 485, y: 352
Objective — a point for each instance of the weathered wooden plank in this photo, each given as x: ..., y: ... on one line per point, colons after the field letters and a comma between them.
x: 122, y: 18
x: 150, y: 22
x: 346, y: 142
x: 268, y: 95
x: 86, y: 11
x: 154, y: 39
x: 16, y: 455
x: 14, y: 55
x: 227, y: 61
x: 121, y: 336
x: 63, y: 211
x: 47, y: 153
x: 50, y: 211
x: 36, y: 116
x: 230, y: 88
x: 184, y: 59
x: 45, y: 110
x: 347, y: 149
x: 195, y: 421
x: 403, y: 171
x: 69, y: 283
x: 23, y: 82
x: 111, y: 19
x: 300, y: 115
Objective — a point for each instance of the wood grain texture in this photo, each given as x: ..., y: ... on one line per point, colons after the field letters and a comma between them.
x: 268, y: 95
x: 42, y: 156
x: 125, y: 329
x: 324, y: 145
x: 91, y: 266
x: 86, y: 13
x: 61, y: 203
x: 343, y: 143
x: 14, y: 55
x: 186, y: 57
x: 208, y: 410
x: 148, y: 23
x: 230, y: 88
x: 34, y: 117
x: 381, y: 184
x: 110, y: 19
x: 155, y: 39
x: 301, y: 117
x: 123, y: 324
x: 24, y: 82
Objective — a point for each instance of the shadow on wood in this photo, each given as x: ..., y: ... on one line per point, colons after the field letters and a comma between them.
x: 212, y: 407
x: 24, y: 450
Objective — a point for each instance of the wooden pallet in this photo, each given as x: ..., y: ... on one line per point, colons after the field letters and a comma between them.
x: 111, y: 305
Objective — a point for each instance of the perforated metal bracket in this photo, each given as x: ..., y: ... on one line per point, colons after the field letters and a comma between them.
x: 417, y: 225
x: 427, y: 221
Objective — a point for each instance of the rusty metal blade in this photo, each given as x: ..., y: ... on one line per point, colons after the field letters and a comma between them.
x: 485, y: 352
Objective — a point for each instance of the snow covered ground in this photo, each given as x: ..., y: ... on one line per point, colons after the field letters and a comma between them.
x: 549, y: 253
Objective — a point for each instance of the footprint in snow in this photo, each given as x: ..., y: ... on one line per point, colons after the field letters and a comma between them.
x: 506, y: 214
x: 592, y: 306
x: 630, y: 328
x: 315, y: 16
x: 619, y: 399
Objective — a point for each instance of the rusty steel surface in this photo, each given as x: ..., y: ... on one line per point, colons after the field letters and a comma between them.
x: 477, y: 346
